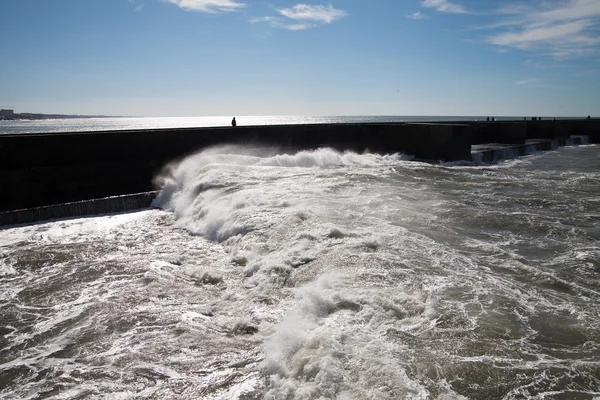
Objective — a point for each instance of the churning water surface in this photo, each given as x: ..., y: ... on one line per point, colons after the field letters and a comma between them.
x: 318, y: 275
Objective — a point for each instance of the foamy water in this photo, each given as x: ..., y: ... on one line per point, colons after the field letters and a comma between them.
x: 318, y: 275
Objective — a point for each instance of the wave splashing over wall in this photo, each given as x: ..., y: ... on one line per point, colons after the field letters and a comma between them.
x: 316, y: 275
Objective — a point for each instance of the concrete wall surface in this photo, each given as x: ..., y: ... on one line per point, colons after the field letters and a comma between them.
x: 108, y: 205
x: 589, y: 128
x: 39, y: 170
x: 500, y: 132
x: 45, y: 169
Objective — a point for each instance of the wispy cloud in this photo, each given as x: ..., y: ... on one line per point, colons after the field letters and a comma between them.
x: 416, y: 15
x: 495, y: 25
x: 280, y: 23
x: 208, y: 6
x: 544, y: 33
x: 138, y: 7
x: 295, y: 27
x: 303, y: 12
x: 261, y: 19
x: 445, y: 6
x: 302, y: 16
x: 527, y: 81
x: 540, y: 84
x: 559, y: 28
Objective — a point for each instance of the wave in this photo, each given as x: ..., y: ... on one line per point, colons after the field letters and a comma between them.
x: 219, y: 192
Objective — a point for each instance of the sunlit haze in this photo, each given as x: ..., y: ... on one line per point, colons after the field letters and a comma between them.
x: 280, y: 57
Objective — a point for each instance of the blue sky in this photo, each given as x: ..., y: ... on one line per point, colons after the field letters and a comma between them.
x: 282, y: 57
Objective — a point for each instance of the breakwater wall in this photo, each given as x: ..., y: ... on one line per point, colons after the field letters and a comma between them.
x: 45, y: 169
x: 41, y: 170
x: 107, y: 205
x: 494, y: 152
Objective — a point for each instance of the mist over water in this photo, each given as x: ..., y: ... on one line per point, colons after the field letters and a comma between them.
x: 316, y: 275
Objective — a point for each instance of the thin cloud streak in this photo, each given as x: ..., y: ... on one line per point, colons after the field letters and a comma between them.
x: 560, y: 29
x: 301, y: 17
x: 261, y: 19
x: 496, y: 25
x: 312, y: 13
x: 536, y: 83
x: 445, y: 6
x: 276, y: 22
x: 416, y: 16
x: 527, y: 37
x: 295, y: 27
x: 575, y: 9
x: 208, y: 6
x: 527, y: 81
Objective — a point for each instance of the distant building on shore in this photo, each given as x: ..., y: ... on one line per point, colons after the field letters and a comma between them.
x: 7, y: 113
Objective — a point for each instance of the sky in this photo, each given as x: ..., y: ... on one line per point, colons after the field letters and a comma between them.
x: 283, y: 57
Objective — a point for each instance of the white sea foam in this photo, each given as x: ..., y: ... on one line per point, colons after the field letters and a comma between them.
x: 316, y: 275
x: 309, y: 357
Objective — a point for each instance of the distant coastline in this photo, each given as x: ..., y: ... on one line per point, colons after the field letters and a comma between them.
x: 38, y: 116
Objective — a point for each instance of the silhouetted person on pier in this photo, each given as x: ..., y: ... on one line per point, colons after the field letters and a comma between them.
x: 488, y: 119
x: 233, y: 123
x: 588, y: 117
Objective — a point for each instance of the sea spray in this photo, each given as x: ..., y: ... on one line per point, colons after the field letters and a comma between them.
x: 355, y: 277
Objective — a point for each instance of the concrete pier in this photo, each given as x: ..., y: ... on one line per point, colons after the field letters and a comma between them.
x: 107, y: 205
x: 42, y: 170
x: 590, y: 128
x: 45, y: 169
x: 499, y: 132
x: 494, y: 152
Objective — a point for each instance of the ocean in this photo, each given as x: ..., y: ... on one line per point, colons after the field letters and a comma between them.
x: 125, y: 123
x: 319, y: 275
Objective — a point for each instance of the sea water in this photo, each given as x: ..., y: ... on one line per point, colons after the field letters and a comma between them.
x: 320, y: 275
x: 125, y: 123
